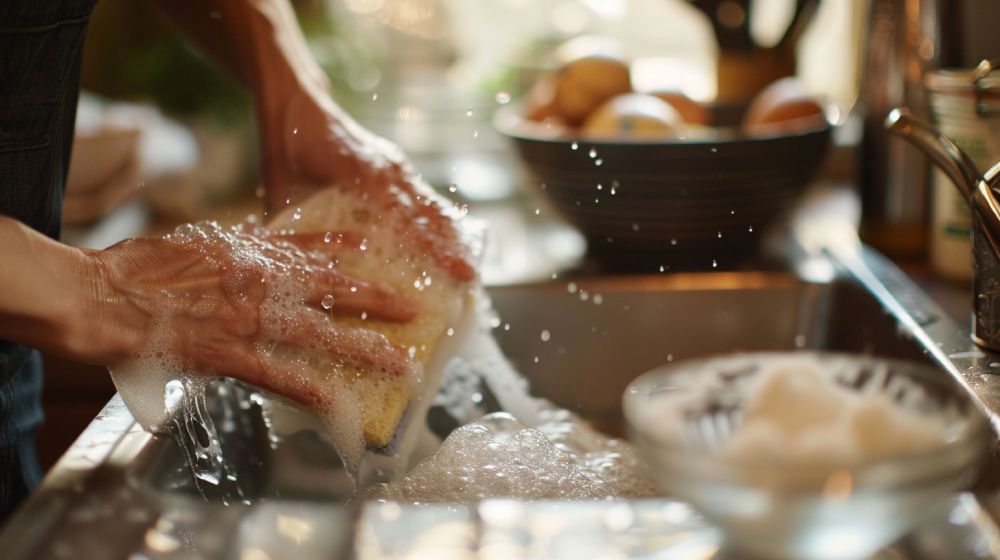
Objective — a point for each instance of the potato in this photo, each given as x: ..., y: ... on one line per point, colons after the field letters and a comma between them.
x: 632, y: 115
x: 783, y: 107
x: 584, y: 84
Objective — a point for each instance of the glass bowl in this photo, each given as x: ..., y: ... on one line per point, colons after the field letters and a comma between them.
x: 830, y: 509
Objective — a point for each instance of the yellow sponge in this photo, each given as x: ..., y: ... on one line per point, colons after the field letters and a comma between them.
x: 389, y: 262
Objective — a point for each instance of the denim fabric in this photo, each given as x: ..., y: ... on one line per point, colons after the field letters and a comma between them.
x: 40, y: 46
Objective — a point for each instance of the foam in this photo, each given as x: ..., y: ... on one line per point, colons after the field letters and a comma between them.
x: 499, y: 457
x: 796, y: 414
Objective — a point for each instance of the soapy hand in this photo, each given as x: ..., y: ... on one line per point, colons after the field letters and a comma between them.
x: 218, y: 300
x: 310, y: 143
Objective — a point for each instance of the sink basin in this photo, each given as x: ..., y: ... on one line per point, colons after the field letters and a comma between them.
x: 579, y: 342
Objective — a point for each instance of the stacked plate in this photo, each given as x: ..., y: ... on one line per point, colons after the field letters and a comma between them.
x: 679, y: 203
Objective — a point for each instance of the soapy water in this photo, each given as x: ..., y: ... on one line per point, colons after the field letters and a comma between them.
x: 531, y: 451
x: 165, y: 394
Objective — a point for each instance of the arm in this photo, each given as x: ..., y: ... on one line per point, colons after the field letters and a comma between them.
x: 206, y: 296
x: 307, y: 140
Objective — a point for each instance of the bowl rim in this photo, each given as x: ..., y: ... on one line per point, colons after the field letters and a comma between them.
x: 969, y: 448
x: 510, y: 122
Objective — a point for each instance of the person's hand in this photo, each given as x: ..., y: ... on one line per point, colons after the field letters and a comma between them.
x: 217, y: 301
x: 310, y: 143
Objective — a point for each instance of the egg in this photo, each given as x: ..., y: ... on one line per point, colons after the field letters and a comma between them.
x: 583, y: 84
x: 691, y: 111
x: 783, y: 107
x: 633, y: 115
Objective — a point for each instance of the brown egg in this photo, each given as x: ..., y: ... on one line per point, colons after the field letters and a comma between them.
x: 632, y: 115
x: 691, y: 111
x: 783, y: 107
x: 584, y: 84
x: 539, y: 102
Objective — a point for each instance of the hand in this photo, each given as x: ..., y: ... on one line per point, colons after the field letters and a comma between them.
x: 219, y: 300
x: 310, y: 143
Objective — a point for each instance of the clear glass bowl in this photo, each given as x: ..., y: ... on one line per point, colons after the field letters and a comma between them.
x: 794, y: 510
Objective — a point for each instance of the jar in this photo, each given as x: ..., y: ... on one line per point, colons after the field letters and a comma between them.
x: 965, y: 105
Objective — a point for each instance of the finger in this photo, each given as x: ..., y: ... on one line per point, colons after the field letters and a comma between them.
x: 343, y: 295
x: 365, y: 348
x: 326, y: 241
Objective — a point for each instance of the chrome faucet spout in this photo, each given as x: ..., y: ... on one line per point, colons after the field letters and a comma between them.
x: 942, y: 151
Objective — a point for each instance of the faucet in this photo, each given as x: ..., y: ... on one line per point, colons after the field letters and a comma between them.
x: 978, y: 191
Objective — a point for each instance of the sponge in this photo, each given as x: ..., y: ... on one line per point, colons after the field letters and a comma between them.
x: 391, y: 262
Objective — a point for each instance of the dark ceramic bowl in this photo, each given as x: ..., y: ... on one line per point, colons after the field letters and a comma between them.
x: 696, y: 202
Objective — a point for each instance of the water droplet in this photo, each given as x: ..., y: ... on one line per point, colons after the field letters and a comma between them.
x: 555, y: 275
x: 327, y: 302
x: 574, y: 146
x: 715, y: 263
x: 750, y: 229
x: 536, y: 359
x: 598, y: 299
x: 673, y: 241
x: 495, y: 322
x: 720, y: 235
x: 800, y: 341
x: 662, y: 268
x: 475, y: 134
x: 502, y: 97
x: 732, y: 212
x: 571, y: 287
x: 452, y: 188
x: 545, y: 336
x: 450, y: 331
x: 354, y: 289
x: 506, y: 326
x: 297, y: 215
x: 670, y: 357
x: 600, y: 187
x: 538, y: 211
x: 469, y: 112
x: 375, y: 96
x: 714, y: 150
x: 295, y: 130
x: 327, y: 237
x: 584, y: 296
x: 635, y: 227
x: 598, y: 162
x: 592, y: 153
x: 364, y: 315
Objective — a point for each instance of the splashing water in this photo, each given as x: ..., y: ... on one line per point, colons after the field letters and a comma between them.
x: 532, y: 450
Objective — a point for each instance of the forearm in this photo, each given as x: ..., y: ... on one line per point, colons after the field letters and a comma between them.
x: 42, y: 290
x: 258, y: 41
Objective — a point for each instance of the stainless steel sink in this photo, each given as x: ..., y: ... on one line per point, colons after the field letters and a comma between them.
x: 121, y: 491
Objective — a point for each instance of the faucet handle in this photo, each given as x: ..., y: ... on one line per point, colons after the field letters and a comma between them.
x: 979, y: 75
